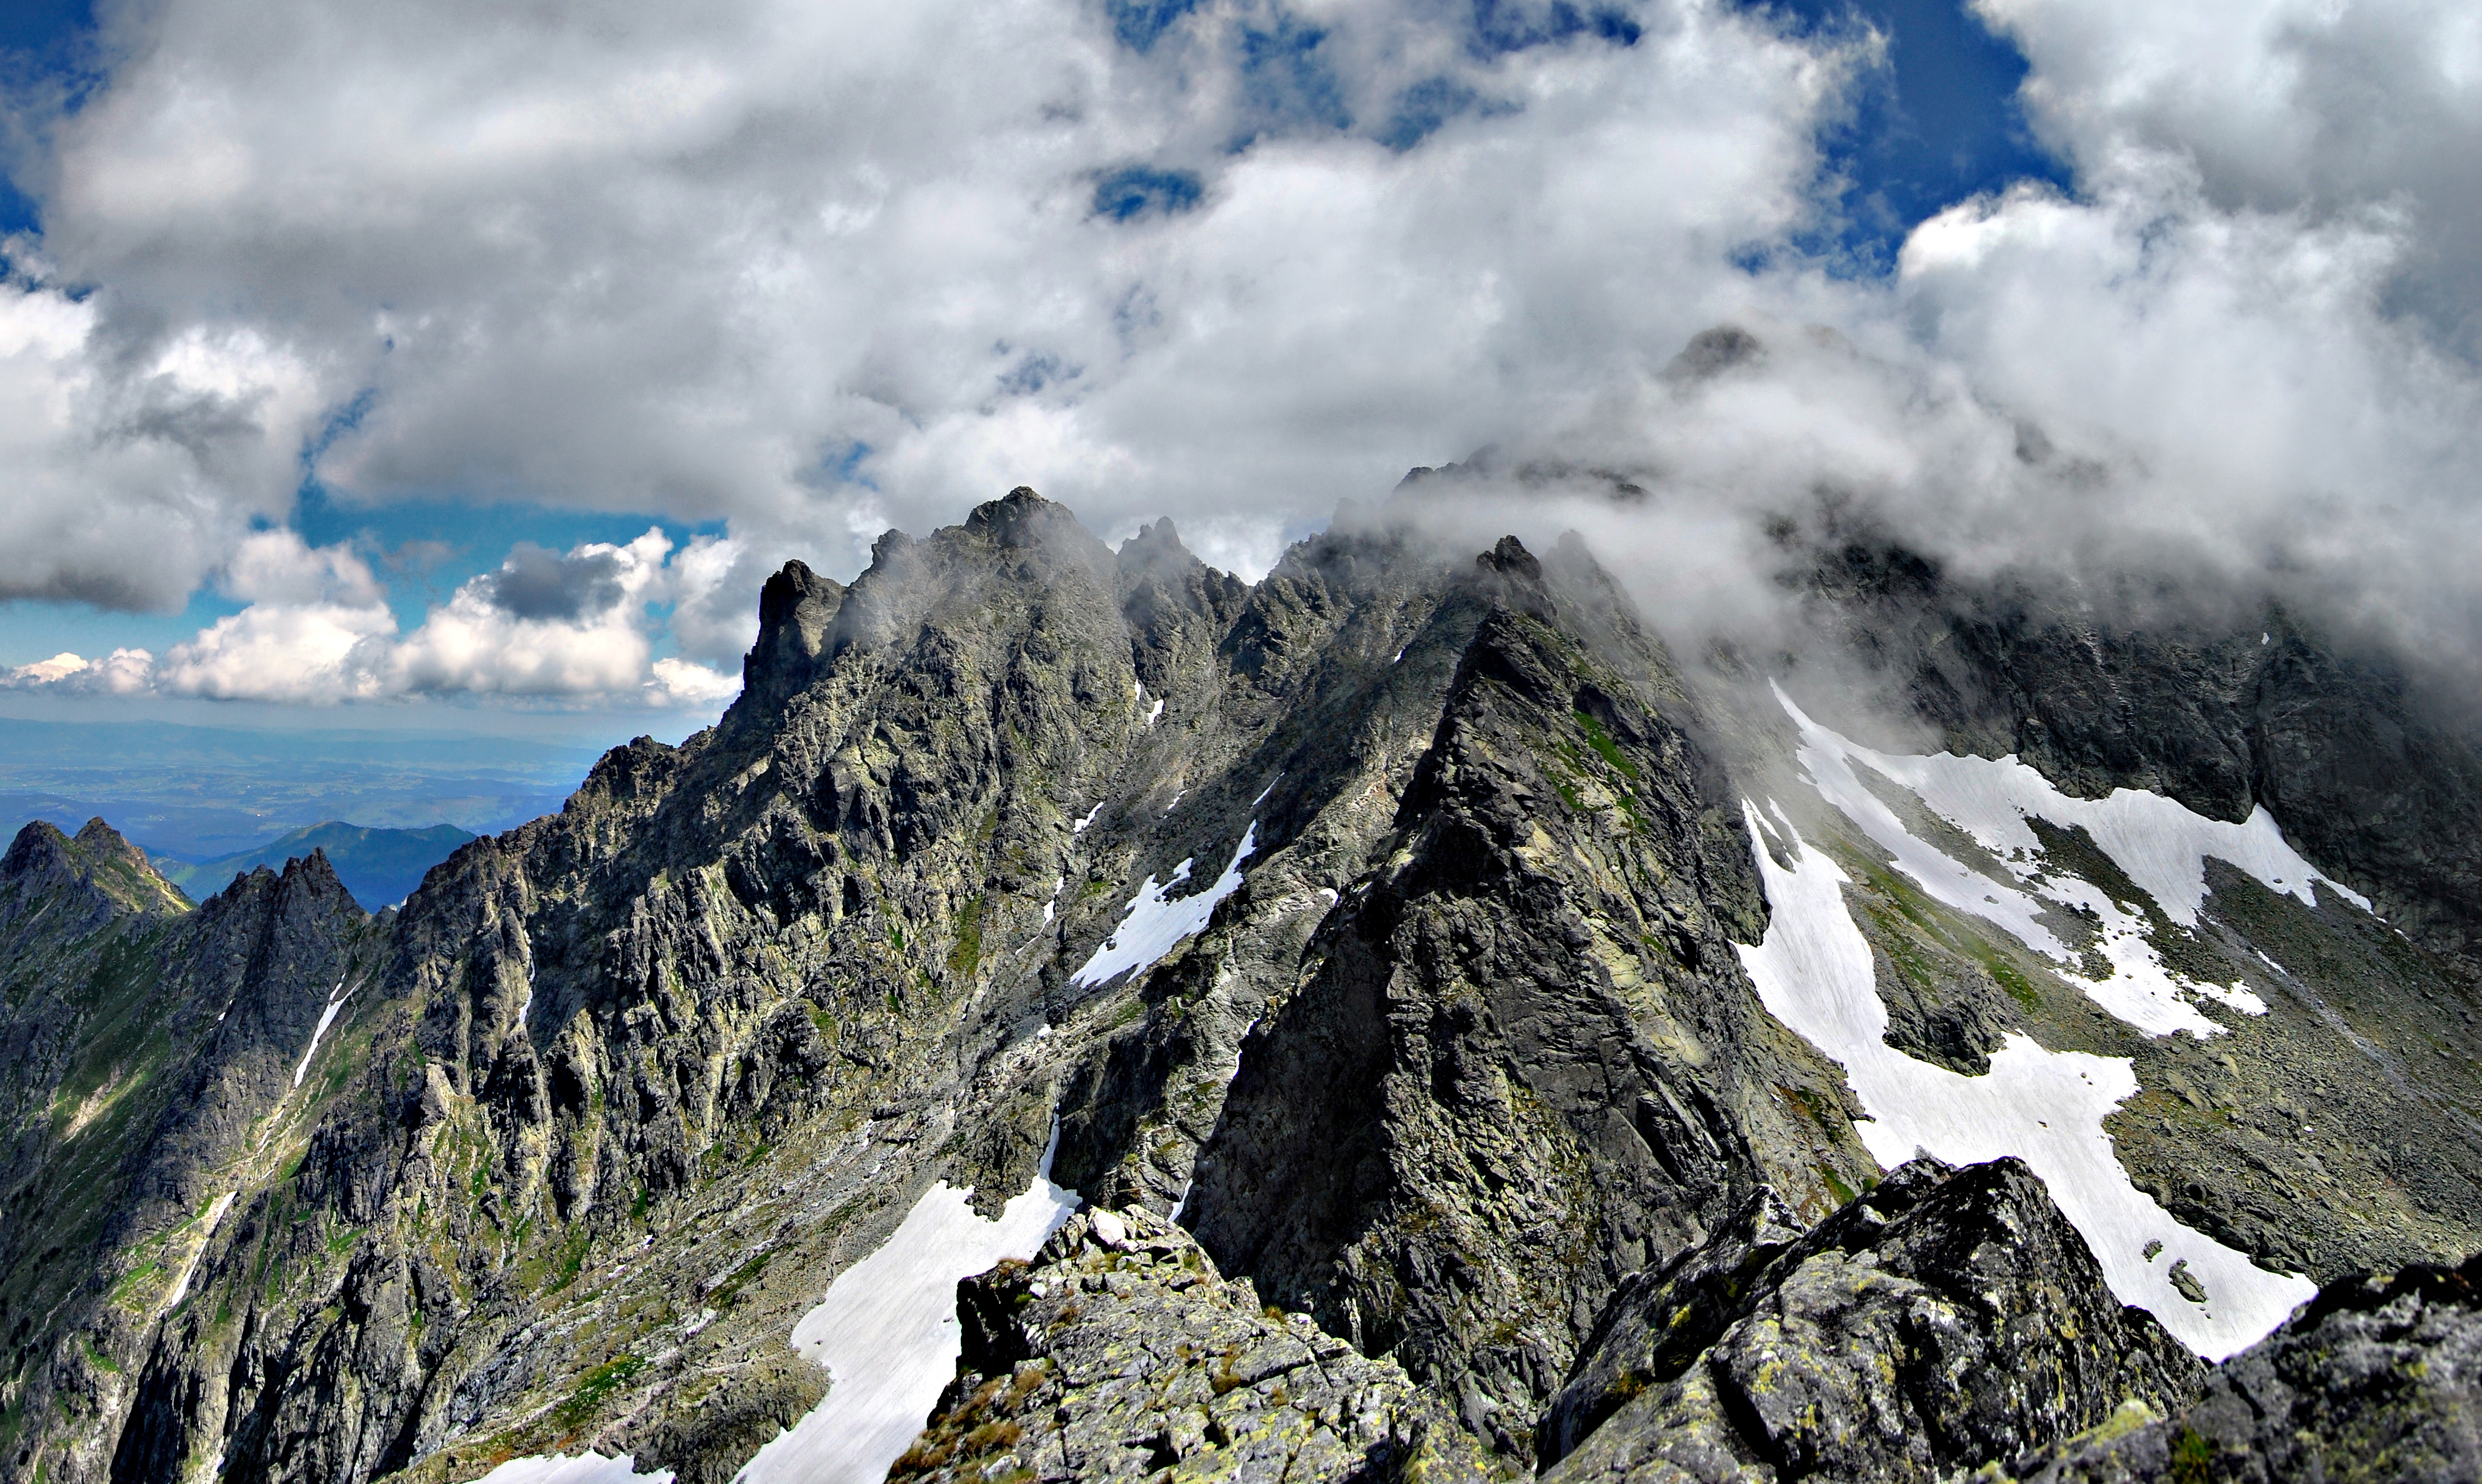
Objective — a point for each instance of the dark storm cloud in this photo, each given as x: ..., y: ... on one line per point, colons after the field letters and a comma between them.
x: 539, y: 583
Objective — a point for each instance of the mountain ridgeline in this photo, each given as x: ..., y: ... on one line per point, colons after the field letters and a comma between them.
x: 1482, y: 1046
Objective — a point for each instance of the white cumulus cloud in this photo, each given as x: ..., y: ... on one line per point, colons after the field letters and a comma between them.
x: 552, y: 626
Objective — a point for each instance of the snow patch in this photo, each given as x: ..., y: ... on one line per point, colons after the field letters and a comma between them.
x: 336, y: 998
x: 585, y: 1468
x: 1176, y: 800
x: 1157, y: 923
x: 2159, y: 844
x: 189, y: 1269
x: 1081, y: 826
x: 1157, y: 714
x: 1813, y: 971
x: 1400, y: 658
x: 1269, y: 789
x: 887, y: 1332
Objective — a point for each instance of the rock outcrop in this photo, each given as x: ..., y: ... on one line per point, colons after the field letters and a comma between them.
x: 1944, y: 1320
x: 1119, y: 1353
x: 2375, y: 1379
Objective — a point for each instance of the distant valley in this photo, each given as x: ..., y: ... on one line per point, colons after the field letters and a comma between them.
x: 379, y: 866
x: 199, y: 794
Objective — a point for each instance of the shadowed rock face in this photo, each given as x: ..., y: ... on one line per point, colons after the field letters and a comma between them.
x: 1524, y: 1061
x: 1119, y: 1353
x: 1942, y: 1320
x: 2375, y: 1379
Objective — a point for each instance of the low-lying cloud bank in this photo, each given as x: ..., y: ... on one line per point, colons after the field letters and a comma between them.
x: 317, y: 629
x: 813, y: 271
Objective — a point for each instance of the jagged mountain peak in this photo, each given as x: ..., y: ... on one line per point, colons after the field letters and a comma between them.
x: 98, y: 860
x: 1023, y: 518
x: 312, y: 877
x: 1158, y: 548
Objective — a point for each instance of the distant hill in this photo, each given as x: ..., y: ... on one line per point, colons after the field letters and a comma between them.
x: 379, y: 866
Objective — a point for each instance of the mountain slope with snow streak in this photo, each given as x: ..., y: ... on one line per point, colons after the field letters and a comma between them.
x: 1814, y: 972
x: 2161, y: 846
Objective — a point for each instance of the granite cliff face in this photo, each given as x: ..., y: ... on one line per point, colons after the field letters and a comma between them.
x: 1435, y: 989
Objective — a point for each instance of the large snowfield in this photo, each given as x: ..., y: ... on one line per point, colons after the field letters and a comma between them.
x: 887, y: 1332
x: 1813, y: 971
x: 2159, y: 844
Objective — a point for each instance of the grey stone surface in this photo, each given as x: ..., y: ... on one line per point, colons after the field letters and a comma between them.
x: 1466, y: 1070
x: 1942, y: 1320
x: 1119, y: 1353
x: 2375, y: 1379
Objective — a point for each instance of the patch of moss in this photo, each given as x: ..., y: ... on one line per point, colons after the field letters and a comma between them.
x: 968, y: 954
x: 593, y: 1389
x: 570, y: 1260
x: 129, y: 1283
x: 2193, y: 1458
x: 1601, y: 742
x: 729, y: 1289
x: 2020, y: 988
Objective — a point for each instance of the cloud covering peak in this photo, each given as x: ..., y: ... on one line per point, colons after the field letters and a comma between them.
x: 810, y: 270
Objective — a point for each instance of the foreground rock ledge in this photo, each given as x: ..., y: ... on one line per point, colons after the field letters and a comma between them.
x: 1119, y: 1353
x: 2376, y: 1378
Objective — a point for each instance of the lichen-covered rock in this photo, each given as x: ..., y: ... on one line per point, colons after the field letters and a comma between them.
x: 2375, y: 1379
x: 1119, y: 1353
x: 1944, y: 1320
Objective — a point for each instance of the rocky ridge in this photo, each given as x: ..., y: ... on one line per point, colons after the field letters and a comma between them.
x: 1525, y: 1060
x: 1467, y: 1051
x: 152, y: 1058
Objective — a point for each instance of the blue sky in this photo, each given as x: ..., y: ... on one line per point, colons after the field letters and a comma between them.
x: 349, y: 360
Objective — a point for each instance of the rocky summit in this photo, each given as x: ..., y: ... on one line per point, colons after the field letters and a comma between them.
x: 1081, y: 1014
